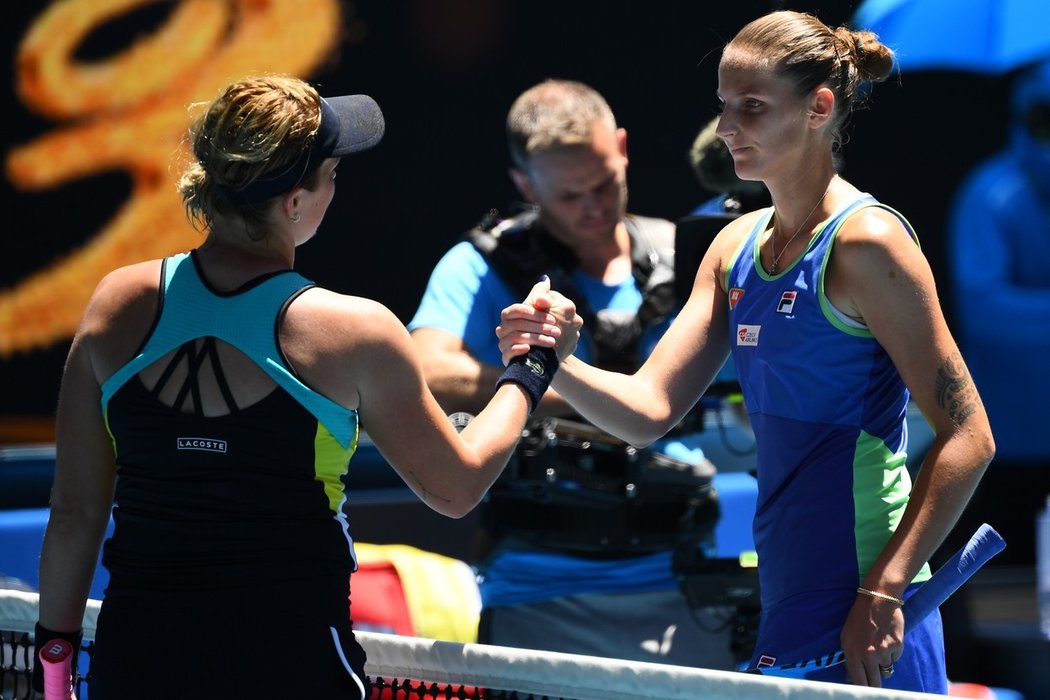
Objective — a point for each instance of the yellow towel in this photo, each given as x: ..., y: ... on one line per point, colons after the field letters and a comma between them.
x: 441, y: 592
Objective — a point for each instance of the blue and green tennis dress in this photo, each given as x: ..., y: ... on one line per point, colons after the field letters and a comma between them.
x: 230, y: 559
x: 828, y: 409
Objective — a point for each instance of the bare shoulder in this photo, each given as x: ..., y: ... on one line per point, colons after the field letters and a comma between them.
x: 875, y: 243
x: 728, y: 241
x: 337, y: 342
x: 874, y: 261
x: 119, y: 315
x: 128, y: 283
x: 324, y: 327
x: 729, y: 238
x: 123, y: 299
x: 328, y: 316
x: 873, y: 228
x: 737, y: 229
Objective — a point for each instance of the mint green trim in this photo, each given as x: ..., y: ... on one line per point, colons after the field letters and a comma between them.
x: 757, y: 252
x: 756, y: 245
x: 825, y: 305
x: 879, y: 477
x: 727, y: 274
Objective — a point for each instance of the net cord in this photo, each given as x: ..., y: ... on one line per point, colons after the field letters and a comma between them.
x: 538, y: 672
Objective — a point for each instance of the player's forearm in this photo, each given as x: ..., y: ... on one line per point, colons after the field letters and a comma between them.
x: 947, y: 479
x: 67, y: 567
x: 623, y: 405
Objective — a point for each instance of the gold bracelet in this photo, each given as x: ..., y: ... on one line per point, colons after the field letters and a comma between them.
x: 881, y: 596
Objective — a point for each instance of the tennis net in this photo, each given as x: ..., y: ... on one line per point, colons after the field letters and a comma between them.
x: 414, y: 668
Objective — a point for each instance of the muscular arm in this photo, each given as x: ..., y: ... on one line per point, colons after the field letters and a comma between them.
x: 449, y: 472
x: 116, y: 319
x: 879, y: 275
x: 366, y: 360
x: 80, y: 498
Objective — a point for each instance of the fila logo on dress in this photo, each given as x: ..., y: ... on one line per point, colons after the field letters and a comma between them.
x: 787, y: 302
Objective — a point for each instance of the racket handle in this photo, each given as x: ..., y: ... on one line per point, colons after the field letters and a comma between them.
x: 952, y: 574
x: 57, y: 659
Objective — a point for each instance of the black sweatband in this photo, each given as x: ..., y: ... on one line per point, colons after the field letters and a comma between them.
x: 41, y: 637
x: 533, y: 371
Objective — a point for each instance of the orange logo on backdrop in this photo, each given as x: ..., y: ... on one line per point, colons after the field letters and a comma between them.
x: 129, y: 113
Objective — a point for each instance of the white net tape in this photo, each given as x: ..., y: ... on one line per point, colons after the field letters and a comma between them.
x: 550, y: 674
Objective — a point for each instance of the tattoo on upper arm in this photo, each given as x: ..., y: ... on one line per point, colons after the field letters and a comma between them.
x: 426, y: 494
x: 955, y: 391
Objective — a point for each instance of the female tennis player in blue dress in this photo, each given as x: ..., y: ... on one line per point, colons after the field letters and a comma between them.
x: 213, y: 398
x: 830, y: 311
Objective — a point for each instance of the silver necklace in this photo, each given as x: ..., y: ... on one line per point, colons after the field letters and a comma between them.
x: 773, y: 235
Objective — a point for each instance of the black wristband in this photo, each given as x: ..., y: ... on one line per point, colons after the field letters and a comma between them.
x: 40, y: 640
x: 533, y: 371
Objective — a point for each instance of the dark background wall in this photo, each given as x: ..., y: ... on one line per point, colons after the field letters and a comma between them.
x: 445, y: 74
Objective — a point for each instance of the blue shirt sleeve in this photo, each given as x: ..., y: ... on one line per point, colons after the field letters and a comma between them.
x: 465, y: 297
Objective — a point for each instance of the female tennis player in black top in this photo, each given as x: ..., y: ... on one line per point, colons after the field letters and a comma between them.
x: 211, y: 400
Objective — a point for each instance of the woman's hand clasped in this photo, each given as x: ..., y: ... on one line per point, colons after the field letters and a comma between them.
x: 546, y: 318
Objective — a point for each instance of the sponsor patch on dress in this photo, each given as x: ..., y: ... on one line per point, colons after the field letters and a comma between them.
x: 747, y: 334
